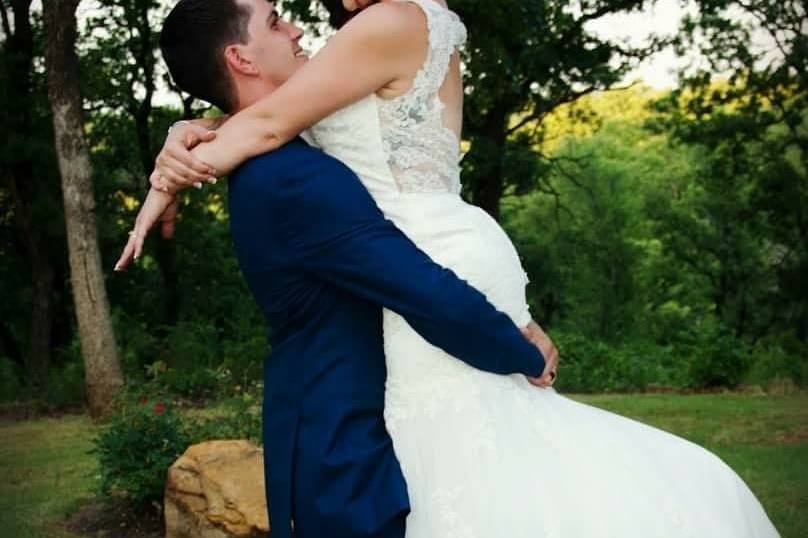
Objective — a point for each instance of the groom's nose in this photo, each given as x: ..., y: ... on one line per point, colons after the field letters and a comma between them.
x: 298, y: 32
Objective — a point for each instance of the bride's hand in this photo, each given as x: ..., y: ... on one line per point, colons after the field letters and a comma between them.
x: 539, y: 338
x: 158, y: 206
x: 176, y: 168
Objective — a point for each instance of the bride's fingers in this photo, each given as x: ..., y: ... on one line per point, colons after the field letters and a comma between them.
x: 155, y: 206
x: 139, y: 238
x: 538, y: 382
x: 126, y: 255
x: 544, y: 381
x: 123, y: 261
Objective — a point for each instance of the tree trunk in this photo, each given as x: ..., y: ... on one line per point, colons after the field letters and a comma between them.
x: 37, y: 360
x: 488, y: 189
x: 41, y: 319
x: 488, y: 192
x: 8, y: 346
x: 103, y: 375
x: 18, y: 59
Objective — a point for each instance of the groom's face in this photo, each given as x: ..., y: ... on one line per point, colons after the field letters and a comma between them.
x: 274, y: 45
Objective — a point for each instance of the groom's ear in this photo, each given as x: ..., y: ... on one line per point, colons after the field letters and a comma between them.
x: 237, y: 60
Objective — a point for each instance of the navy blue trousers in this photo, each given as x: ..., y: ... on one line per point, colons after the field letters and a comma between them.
x: 394, y: 529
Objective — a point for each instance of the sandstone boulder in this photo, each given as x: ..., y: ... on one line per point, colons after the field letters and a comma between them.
x: 216, y: 490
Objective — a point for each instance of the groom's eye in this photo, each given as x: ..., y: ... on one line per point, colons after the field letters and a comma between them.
x: 273, y: 20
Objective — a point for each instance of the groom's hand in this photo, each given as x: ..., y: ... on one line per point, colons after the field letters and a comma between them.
x: 536, y: 336
x: 158, y: 207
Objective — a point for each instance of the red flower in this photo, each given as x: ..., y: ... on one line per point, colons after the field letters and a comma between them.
x: 159, y: 408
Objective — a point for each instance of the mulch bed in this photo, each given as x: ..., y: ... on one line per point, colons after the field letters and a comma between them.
x: 100, y: 519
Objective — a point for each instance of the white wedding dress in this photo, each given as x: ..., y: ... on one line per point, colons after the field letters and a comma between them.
x: 491, y: 456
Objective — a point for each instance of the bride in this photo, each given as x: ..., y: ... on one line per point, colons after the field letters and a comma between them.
x: 484, y: 455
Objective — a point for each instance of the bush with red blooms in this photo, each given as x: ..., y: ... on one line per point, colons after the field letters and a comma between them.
x: 137, y: 447
x: 148, y: 433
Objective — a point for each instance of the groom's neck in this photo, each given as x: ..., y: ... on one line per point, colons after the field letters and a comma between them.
x: 251, y: 92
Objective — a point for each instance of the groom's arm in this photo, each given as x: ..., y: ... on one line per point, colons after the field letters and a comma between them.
x: 335, y: 231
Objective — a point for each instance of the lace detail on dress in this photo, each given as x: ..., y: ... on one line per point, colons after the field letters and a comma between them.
x: 423, y: 154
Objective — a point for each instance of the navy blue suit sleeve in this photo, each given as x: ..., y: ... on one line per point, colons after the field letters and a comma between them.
x: 336, y: 232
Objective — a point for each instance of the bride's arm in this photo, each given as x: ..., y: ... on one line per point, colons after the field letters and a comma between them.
x: 365, y: 55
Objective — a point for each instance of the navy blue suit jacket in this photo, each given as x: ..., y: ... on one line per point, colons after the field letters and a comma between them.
x: 322, y: 261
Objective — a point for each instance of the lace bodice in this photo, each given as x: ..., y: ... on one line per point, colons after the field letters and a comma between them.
x: 401, y: 145
x: 422, y: 153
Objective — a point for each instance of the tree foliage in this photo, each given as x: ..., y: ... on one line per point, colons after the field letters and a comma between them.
x: 522, y: 61
x: 751, y: 129
x: 664, y: 232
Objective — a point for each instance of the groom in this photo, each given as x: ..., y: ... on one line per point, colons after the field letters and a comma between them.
x: 322, y: 261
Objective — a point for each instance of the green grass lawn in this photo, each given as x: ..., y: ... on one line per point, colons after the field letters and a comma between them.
x: 45, y: 473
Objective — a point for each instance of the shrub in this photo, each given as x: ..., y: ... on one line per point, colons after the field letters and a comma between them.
x: 147, y: 435
x: 242, y: 420
x: 716, y: 357
x: 589, y: 365
x: 777, y: 358
x: 581, y: 364
x: 243, y: 356
x: 137, y: 342
x: 706, y: 356
x: 136, y: 449
x: 11, y: 387
x: 194, y: 382
x: 66, y: 384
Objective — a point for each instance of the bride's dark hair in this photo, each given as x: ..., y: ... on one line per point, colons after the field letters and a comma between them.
x: 337, y: 14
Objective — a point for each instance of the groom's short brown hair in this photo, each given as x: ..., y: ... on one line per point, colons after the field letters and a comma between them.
x: 193, y: 40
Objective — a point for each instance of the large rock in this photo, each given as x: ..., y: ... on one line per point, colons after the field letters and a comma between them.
x: 216, y: 490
